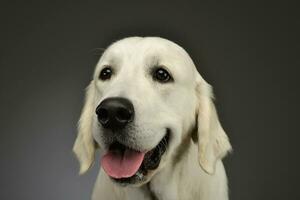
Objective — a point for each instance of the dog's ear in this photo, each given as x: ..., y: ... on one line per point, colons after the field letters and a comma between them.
x: 213, y: 143
x: 84, y: 146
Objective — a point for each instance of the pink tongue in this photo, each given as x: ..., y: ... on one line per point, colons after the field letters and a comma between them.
x: 117, y: 165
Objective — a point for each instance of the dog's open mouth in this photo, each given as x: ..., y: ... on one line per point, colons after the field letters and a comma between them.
x: 126, y: 165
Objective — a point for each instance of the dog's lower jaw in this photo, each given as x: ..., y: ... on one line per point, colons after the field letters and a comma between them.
x: 185, y: 180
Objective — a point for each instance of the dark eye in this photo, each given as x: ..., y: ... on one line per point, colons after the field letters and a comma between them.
x: 105, y: 73
x: 161, y: 75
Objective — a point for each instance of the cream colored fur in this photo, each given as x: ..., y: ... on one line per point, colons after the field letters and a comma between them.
x: 191, y: 168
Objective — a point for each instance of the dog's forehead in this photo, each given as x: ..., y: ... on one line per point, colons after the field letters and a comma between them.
x: 142, y: 44
x: 148, y: 50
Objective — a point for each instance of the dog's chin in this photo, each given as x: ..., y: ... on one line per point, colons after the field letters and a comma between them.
x: 150, y: 163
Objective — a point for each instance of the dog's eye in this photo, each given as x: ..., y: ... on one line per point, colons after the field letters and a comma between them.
x: 161, y: 75
x: 105, y: 73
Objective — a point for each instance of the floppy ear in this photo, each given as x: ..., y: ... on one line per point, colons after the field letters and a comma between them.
x: 213, y: 143
x: 84, y: 146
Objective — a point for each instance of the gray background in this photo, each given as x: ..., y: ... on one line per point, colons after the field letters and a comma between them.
x: 248, y: 51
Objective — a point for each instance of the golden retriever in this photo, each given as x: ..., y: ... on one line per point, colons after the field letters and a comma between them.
x: 152, y: 116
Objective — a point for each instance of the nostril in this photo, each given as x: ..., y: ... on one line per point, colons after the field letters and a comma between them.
x: 114, y: 113
x: 123, y: 115
x: 103, y: 116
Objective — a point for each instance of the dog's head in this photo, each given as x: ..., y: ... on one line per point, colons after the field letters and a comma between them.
x: 145, y: 99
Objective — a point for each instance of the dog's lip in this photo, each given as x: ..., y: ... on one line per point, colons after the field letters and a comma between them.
x: 118, y: 144
x: 151, y: 159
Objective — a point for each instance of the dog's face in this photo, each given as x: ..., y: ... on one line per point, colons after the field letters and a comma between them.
x: 146, y: 97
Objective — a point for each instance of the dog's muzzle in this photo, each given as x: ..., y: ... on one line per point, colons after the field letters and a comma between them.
x: 121, y: 162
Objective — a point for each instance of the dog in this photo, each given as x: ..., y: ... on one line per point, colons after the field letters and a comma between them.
x: 152, y: 116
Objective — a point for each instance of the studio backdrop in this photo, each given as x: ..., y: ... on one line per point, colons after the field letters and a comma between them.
x: 247, y: 50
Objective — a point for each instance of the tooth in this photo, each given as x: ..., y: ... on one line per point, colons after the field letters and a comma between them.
x: 139, y: 174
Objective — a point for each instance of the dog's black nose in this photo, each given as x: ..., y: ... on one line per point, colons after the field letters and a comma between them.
x: 114, y: 113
